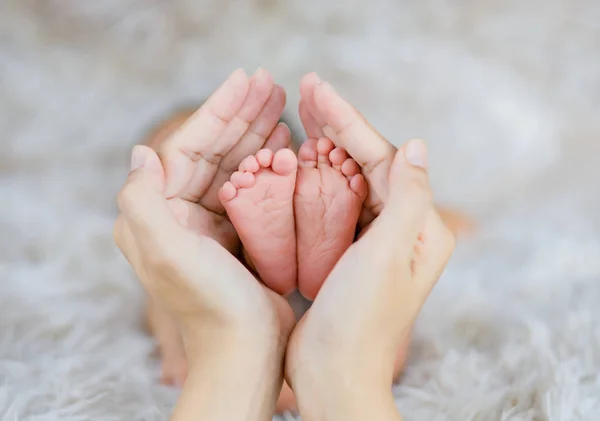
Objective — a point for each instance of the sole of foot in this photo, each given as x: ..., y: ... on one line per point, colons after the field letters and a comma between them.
x: 259, y: 202
x: 330, y: 191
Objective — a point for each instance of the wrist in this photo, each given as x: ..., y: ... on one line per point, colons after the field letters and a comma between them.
x: 229, y: 368
x: 342, y: 388
x: 246, y: 356
x: 345, y: 398
x: 231, y: 341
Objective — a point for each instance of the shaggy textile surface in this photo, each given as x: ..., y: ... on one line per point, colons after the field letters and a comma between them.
x: 507, y: 93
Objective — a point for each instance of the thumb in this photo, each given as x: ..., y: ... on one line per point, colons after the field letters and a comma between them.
x: 146, y: 178
x: 411, y: 202
x: 410, y: 196
x: 146, y: 168
x: 434, y: 250
x: 141, y: 200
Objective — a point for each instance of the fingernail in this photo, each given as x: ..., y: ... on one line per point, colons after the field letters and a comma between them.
x: 319, y: 80
x: 416, y: 153
x: 138, y: 157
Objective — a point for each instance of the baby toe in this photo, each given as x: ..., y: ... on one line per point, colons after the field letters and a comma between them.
x: 264, y: 157
x: 358, y: 184
x: 284, y: 162
x: 249, y: 164
x: 308, y: 155
x: 242, y: 180
x: 337, y: 157
x: 324, y: 148
x: 350, y: 168
x: 227, y: 192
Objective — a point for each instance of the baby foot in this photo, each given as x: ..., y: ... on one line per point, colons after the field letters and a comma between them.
x: 259, y: 202
x: 330, y: 191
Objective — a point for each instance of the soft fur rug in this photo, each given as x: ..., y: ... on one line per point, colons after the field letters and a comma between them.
x: 507, y: 93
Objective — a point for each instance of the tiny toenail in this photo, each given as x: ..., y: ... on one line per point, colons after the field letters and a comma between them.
x: 416, y: 153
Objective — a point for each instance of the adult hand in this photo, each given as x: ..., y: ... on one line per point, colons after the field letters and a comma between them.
x: 236, y: 121
x: 199, y: 152
x: 234, y: 328
x: 341, y: 355
x: 325, y: 113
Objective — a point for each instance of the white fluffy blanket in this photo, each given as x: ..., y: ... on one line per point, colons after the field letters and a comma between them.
x: 507, y: 93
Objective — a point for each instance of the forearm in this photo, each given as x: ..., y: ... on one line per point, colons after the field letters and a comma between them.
x: 235, y: 383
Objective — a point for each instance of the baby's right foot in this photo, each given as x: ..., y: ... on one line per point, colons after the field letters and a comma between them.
x: 258, y: 200
x: 330, y: 191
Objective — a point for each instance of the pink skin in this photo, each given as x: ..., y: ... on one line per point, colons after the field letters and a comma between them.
x: 201, y: 155
x: 198, y: 156
x: 325, y: 113
x: 330, y: 191
x: 259, y: 202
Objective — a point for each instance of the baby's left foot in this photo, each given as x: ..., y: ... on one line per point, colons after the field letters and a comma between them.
x: 330, y: 191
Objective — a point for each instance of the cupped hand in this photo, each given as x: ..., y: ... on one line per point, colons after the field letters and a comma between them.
x: 324, y: 112
x: 345, y: 347
x: 202, y: 285
x: 236, y: 121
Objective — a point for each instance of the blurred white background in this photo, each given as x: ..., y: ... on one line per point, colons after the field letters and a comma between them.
x: 507, y: 93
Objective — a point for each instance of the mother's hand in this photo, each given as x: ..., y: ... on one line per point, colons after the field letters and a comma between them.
x: 325, y: 113
x: 341, y: 355
x: 230, y: 322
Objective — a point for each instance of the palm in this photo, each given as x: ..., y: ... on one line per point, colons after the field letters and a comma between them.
x: 206, y: 222
x: 235, y: 122
x: 217, y: 273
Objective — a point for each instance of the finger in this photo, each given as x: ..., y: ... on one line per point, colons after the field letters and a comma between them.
x: 308, y: 86
x: 434, y: 249
x: 145, y: 171
x: 191, y: 155
x: 436, y: 242
x: 311, y: 127
x: 350, y: 130
x: 279, y: 139
x: 167, y: 127
x: 258, y: 132
x: 410, y: 199
x: 251, y: 142
x: 141, y: 200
